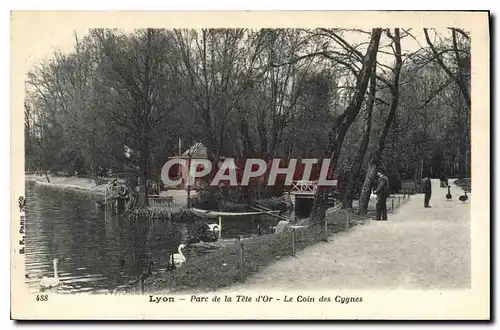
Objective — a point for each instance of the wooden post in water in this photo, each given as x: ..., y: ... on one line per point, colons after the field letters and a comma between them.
x: 220, y: 227
x: 242, y: 260
x: 293, y: 242
x: 120, y: 205
x: 113, y: 206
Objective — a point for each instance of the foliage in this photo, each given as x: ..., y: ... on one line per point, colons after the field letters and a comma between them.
x: 251, y: 93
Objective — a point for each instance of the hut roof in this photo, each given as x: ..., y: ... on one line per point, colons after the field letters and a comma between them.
x: 197, y: 150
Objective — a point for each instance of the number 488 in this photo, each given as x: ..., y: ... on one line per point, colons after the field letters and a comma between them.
x: 42, y: 297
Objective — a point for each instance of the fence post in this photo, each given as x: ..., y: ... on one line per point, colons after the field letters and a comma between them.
x: 399, y: 201
x: 346, y: 220
x: 392, y: 205
x: 293, y: 242
x: 326, y: 230
x: 242, y: 259
x: 141, y: 283
x: 220, y: 227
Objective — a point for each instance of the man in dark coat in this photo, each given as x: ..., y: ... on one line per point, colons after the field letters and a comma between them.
x: 442, y: 180
x: 382, y: 191
x: 427, y: 190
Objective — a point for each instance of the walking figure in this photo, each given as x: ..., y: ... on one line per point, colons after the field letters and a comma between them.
x: 382, y: 192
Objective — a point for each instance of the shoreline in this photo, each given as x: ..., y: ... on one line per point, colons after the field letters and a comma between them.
x: 221, y: 269
x: 79, y: 184
x: 73, y: 183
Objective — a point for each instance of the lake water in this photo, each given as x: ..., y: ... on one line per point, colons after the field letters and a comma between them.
x: 98, y: 251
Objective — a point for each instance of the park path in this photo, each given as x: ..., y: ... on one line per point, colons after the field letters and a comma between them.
x: 417, y: 248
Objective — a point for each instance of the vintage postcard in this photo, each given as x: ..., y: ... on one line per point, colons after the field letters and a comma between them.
x: 250, y: 165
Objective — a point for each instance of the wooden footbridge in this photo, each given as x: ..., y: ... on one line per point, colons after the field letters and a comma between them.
x: 303, y: 189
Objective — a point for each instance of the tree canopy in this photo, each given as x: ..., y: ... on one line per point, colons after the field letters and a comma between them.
x: 357, y: 97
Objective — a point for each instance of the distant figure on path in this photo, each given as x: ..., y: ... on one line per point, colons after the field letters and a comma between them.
x: 382, y: 192
x: 443, y: 178
x: 427, y: 190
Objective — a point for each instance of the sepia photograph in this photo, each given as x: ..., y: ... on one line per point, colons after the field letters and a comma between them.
x: 311, y: 170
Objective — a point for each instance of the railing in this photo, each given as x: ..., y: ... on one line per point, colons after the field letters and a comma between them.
x: 304, y: 186
x: 161, y: 201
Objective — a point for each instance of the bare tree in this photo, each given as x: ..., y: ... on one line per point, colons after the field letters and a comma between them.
x: 345, y: 120
x: 136, y: 72
x: 356, y: 166
x: 460, y: 75
x: 375, y: 160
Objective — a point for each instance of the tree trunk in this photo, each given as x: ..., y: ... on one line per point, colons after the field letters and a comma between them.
x: 364, y: 198
x: 262, y: 136
x: 376, y: 158
x: 364, y: 144
x: 144, y: 183
x: 93, y: 173
x: 145, y: 122
x: 345, y: 120
x: 189, y: 184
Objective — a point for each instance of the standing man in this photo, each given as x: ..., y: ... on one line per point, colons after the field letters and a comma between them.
x: 382, y: 191
x: 427, y: 190
x: 442, y: 180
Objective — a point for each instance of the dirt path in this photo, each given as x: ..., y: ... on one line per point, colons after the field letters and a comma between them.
x: 417, y: 248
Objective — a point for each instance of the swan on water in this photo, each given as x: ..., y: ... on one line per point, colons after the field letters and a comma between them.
x: 50, y: 282
x: 179, y: 258
x: 214, y: 228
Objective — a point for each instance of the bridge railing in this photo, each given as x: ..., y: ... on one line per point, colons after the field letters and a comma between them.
x: 304, y: 186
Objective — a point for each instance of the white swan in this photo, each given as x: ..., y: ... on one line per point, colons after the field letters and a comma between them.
x: 179, y: 258
x: 50, y: 282
x: 214, y: 228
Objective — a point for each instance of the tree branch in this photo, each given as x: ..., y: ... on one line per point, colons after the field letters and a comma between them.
x: 457, y: 80
x: 434, y: 94
x: 462, y: 32
x: 324, y: 54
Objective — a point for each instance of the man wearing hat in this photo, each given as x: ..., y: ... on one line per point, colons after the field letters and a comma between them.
x: 382, y: 191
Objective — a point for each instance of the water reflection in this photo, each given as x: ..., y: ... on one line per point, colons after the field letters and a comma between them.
x: 64, y: 225
x: 100, y: 251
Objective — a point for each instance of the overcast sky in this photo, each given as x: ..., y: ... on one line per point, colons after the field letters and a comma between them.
x: 49, y: 40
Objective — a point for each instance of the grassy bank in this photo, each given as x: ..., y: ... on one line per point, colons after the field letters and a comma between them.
x: 221, y: 268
